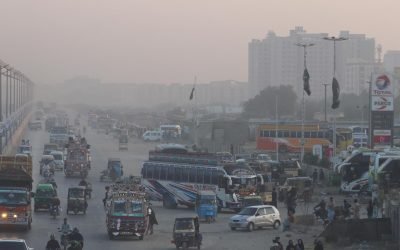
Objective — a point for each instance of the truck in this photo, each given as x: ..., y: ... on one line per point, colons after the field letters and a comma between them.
x: 77, y: 158
x: 59, y: 136
x: 50, y: 123
x: 126, y: 209
x: 15, y: 191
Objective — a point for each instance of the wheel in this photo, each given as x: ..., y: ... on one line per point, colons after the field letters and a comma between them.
x: 233, y: 228
x: 277, y: 224
x: 250, y: 227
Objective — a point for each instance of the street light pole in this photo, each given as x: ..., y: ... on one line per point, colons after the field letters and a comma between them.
x: 325, y: 85
x: 334, y: 40
x: 303, y: 107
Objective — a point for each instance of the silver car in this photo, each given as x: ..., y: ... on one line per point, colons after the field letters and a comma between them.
x: 256, y: 217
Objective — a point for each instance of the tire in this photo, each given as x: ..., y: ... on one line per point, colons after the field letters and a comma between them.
x: 276, y: 224
x: 250, y: 227
x: 233, y: 228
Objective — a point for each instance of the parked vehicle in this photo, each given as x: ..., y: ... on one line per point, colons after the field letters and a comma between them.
x: 154, y: 135
x: 14, y: 244
x: 76, y: 201
x: 44, y: 195
x: 15, y: 191
x: 185, y: 234
x: 206, y: 205
x: 256, y: 217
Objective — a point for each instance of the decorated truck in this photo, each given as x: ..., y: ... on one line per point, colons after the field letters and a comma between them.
x: 77, y: 160
x: 126, y: 209
x: 15, y: 191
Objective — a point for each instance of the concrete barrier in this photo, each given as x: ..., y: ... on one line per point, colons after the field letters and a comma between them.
x: 16, y: 138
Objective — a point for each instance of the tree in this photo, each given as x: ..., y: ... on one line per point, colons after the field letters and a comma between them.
x: 263, y: 104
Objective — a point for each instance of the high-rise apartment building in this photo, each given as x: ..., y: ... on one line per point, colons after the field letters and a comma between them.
x: 276, y: 60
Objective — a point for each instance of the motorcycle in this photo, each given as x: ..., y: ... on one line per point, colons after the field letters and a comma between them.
x: 54, y: 211
x: 64, y: 238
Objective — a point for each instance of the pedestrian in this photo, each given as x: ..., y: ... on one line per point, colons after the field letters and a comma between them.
x: 346, y: 208
x: 356, y: 209
x: 370, y: 209
x: 300, y: 245
x: 290, y: 246
x: 274, y: 198
x: 315, y: 176
x: 331, y: 209
x: 151, y: 219
x: 318, y: 245
x: 321, y: 175
x: 277, y: 244
x: 375, y: 208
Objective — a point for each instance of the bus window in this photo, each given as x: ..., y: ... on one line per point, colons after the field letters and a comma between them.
x: 215, y: 177
x: 192, y: 175
x: 156, y: 174
x: 293, y: 134
x: 313, y: 134
x: 207, y: 176
x: 307, y: 134
x: 171, y: 173
x: 149, y: 171
x: 163, y: 173
x: 178, y: 173
x: 298, y: 134
x: 280, y: 133
x: 320, y: 134
x: 200, y: 175
x: 185, y: 174
x: 266, y: 133
x: 285, y: 133
x: 271, y: 133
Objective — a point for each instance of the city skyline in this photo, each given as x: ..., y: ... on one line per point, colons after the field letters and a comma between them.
x: 167, y: 41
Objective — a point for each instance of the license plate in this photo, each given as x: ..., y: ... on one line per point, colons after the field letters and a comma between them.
x: 125, y: 233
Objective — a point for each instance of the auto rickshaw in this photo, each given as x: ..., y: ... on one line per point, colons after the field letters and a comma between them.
x: 44, y: 195
x: 206, y: 205
x: 76, y: 202
x: 114, y: 170
x: 186, y: 233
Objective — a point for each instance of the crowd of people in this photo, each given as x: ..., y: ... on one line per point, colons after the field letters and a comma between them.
x: 298, y: 245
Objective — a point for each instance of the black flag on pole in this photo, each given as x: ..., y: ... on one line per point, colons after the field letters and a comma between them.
x: 191, y: 94
x: 306, y: 79
x: 335, y: 94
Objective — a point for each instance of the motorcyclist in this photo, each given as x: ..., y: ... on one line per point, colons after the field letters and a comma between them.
x: 65, y: 229
x: 53, y: 244
x: 46, y: 169
x: 83, y: 183
x: 76, y: 236
x: 55, y: 204
x: 320, y: 209
x: 75, y: 245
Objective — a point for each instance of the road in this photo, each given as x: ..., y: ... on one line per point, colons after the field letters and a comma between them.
x: 92, y: 225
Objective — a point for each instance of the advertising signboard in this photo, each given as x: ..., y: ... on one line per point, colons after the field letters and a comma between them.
x: 382, y: 103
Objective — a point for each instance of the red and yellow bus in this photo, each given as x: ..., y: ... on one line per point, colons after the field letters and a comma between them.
x: 287, y: 137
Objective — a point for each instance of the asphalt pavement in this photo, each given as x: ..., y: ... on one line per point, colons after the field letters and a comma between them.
x: 216, y: 235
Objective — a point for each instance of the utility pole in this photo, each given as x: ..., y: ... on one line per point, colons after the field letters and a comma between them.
x: 334, y: 40
x: 276, y: 129
x: 303, y: 107
x: 325, y: 85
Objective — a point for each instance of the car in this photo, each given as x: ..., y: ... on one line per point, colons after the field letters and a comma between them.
x: 256, y: 217
x: 152, y: 136
x: 15, y: 244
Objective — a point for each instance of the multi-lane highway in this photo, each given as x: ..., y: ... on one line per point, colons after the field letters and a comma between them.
x: 92, y: 225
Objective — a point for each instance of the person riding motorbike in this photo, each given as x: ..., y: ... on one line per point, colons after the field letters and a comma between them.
x: 320, y: 210
x: 76, y: 236
x: 53, y: 244
x: 46, y: 170
x: 83, y: 183
x: 65, y: 230
x: 55, y: 206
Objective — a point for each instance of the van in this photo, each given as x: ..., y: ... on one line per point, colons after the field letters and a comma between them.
x: 154, y: 135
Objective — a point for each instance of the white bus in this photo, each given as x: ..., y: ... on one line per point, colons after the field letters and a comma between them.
x: 171, y: 131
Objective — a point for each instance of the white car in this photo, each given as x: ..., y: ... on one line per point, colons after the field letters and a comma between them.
x: 256, y: 217
x: 152, y: 135
x: 16, y: 244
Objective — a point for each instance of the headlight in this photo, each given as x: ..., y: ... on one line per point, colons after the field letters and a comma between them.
x: 15, y: 216
x: 4, y: 215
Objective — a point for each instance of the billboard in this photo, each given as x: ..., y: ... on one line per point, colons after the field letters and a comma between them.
x: 382, y: 86
x: 382, y: 107
x: 382, y: 103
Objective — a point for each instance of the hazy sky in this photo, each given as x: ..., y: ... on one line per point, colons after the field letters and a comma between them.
x: 169, y: 40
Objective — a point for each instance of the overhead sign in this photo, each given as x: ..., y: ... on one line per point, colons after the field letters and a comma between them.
x: 382, y: 132
x: 382, y: 86
x: 382, y: 103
